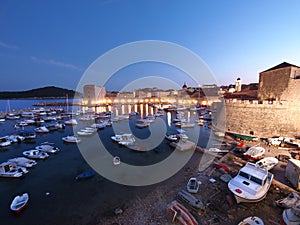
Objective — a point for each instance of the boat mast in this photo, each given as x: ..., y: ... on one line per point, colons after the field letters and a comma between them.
x: 67, y: 103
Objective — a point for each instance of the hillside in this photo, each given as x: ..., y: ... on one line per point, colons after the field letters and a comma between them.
x: 44, y: 92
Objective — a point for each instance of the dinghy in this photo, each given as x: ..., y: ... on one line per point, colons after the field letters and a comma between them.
x: 116, y: 160
x: 252, y: 220
x: 267, y: 163
x: 85, y: 175
x: 19, y: 203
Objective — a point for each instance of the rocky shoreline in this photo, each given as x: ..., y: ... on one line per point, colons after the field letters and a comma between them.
x: 221, y: 207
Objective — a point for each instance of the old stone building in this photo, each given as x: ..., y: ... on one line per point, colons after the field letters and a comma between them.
x: 93, y: 94
x: 278, y: 83
x: 275, y: 112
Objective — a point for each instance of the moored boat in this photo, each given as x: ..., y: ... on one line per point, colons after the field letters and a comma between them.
x: 10, y: 169
x: 41, y: 129
x: 19, y: 203
x: 267, y: 163
x: 71, y: 122
x: 192, y: 185
x: 190, y: 200
x: 35, y: 154
x: 179, y: 214
x: 71, y: 139
x: 116, y: 160
x: 255, y: 152
x: 22, y: 161
x: 85, y: 175
x: 252, y: 220
x: 251, y: 184
x: 47, y: 148
x: 4, y: 142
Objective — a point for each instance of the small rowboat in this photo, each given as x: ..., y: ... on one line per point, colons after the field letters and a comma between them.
x: 116, y: 160
x: 267, y: 163
x: 255, y: 152
x: 19, y: 203
x: 180, y: 214
x: 85, y: 175
x: 252, y: 220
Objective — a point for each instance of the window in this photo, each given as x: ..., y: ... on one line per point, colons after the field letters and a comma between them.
x: 256, y: 180
x: 243, y: 174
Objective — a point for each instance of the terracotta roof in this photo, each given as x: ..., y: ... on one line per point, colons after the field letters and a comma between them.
x: 281, y: 65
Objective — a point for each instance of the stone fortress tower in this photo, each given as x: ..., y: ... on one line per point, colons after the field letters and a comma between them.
x: 276, y: 109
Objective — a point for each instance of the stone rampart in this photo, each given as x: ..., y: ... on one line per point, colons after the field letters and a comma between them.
x: 262, y: 119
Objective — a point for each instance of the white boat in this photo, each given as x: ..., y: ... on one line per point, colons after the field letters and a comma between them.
x: 22, y: 161
x: 187, y: 125
x: 124, y: 139
x: 71, y: 139
x: 55, y: 126
x: 172, y: 137
x: 9, y: 169
x: 192, y: 185
x: 84, y: 132
x: 289, y: 217
x: 15, y: 138
x: 267, y: 163
x: 190, y: 200
x: 19, y: 202
x: 47, y: 148
x: 255, y: 152
x: 12, y: 116
x: 219, y: 134
x: 142, y: 123
x: 217, y: 150
x: 41, y: 129
x: 4, y: 142
x: 252, y: 220
x: 251, y: 183
x: 116, y: 160
x: 35, y: 154
x: 71, y: 122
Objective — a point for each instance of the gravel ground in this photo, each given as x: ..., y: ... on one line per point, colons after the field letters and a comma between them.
x: 221, y: 207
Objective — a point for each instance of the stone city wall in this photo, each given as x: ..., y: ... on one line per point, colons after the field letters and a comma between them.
x: 262, y: 120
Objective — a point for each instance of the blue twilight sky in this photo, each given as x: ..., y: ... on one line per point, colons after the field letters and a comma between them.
x: 53, y: 42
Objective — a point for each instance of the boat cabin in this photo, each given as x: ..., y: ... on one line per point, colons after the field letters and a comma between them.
x: 254, y: 174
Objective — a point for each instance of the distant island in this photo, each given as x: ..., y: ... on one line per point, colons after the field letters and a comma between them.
x: 44, y: 92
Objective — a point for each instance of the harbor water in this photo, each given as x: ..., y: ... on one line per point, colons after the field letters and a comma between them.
x: 55, y: 196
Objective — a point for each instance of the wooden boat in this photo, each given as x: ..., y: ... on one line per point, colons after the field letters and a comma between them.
x: 267, y: 163
x: 116, y: 160
x: 190, y: 200
x: 242, y: 136
x: 85, y: 175
x: 192, y: 185
x: 255, y: 152
x: 19, y: 203
x: 251, y: 184
x: 252, y: 220
x: 178, y: 213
